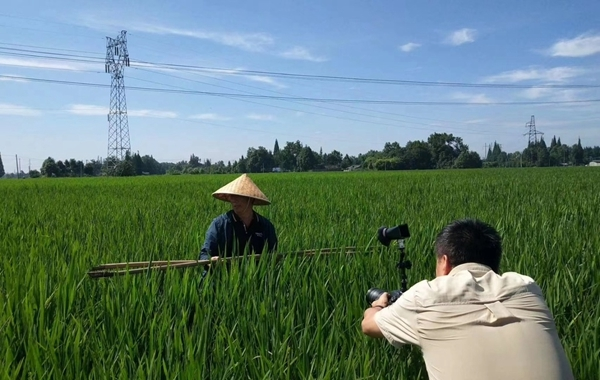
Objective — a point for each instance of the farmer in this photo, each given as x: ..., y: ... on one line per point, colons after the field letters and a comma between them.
x: 241, y: 228
x: 470, y: 321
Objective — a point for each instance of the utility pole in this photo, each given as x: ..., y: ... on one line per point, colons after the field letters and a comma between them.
x: 17, y: 163
x: 117, y: 57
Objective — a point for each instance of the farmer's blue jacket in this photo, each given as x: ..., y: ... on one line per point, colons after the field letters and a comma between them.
x: 227, y: 236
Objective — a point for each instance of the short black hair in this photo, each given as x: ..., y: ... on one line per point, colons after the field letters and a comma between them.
x: 470, y: 241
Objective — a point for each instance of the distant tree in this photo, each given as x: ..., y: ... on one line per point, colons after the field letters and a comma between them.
x: 307, y: 159
x: 2, y: 172
x: 259, y: 160
x: 577, y: 153
x: 194, y: 161
x: 50, y: 168
x: 468, y: 160
x: 418, y: 155
x: 543, y: 156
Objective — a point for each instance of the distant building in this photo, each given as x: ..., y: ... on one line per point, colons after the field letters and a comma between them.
x: 277, y: 170
x: 594, y: 163
x: 352, y: 168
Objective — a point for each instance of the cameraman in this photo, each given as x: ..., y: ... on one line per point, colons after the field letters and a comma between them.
x: 470, y: 321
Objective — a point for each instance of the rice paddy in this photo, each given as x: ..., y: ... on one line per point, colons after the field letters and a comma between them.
x: 297, y: 318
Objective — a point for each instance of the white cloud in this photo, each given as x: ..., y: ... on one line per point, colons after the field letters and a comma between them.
x: 16, y: 110
x: 254, y: 116
x: 553, y: 94
x: 87, y: 110
x: 252, y: 42
x: 49, y: 64
x: 209, y: 116
x: 219, y: 73
x: 301, y: 53
x: 581, y: 46
x: 409, y: 47
x: 477, y: 121
x: 246, y: 41
x: 264, y: 79
x: 152, y: 113
x: 92, y: 110
x: 472, y: 98
x: 555, y: 74
x: 255, y: 42
x: 461, y: 36
x: 13, y: 78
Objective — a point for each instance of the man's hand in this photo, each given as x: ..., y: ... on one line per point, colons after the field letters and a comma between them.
x: 369, y: 327
x: 381, y: 301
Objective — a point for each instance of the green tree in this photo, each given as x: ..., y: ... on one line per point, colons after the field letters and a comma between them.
x: 2, y: 172
x: 468, y: 160
x: 543, y: 156
x: 577, y: 153
x: 307, y: 159
x: 418, y: 155
x: 50, y: 168
x: 260, y: 160
x: 334, y: 158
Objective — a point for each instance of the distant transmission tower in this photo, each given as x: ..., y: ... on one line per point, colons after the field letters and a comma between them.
x: 118, y: 128
x: 532, y: 131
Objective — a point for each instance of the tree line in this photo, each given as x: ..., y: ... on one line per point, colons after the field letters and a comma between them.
x: 439, y: 151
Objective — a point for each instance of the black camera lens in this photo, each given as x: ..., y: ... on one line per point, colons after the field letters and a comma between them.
x: 373, y: 295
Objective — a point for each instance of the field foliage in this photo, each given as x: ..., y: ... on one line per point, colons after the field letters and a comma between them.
x: 294, y: 319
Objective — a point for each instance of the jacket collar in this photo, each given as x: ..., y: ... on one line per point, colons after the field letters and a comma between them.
x: 471, y: 267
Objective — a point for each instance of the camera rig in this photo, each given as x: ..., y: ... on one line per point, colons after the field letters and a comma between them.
x: 399, y: 233
x: 386, y: 236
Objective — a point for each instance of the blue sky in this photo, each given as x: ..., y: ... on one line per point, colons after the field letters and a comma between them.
x: 509, y: 42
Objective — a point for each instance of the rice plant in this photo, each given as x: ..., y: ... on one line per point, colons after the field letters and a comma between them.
x: 296, y: 318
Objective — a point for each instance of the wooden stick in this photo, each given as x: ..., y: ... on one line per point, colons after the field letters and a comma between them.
x: 139, y: 264
x: 106, y: 270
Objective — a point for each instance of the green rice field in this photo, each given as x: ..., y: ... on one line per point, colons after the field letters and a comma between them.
x: 296, y: 318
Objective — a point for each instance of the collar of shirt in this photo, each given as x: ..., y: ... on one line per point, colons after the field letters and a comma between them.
x: 471, y: 267
x: 255, y: 225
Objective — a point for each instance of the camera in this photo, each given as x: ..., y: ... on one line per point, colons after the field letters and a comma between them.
x: 385, y: 236
x: 374, y: 293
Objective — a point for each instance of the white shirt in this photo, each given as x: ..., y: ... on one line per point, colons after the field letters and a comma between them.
x: 476, y: 324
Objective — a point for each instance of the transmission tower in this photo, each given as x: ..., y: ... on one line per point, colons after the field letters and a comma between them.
x: 532, y: 131
x: 118, y: 128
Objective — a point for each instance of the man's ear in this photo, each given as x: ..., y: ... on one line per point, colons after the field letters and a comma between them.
x: 444, y: 265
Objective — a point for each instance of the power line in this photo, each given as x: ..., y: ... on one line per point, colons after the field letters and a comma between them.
x: 173, y: 66
x: 332, y: 109
x: 245, y: 85
x: 307, y: 99
x: 316, y: 113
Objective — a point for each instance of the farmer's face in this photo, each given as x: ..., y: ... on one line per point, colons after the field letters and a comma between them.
x: 240, y: 204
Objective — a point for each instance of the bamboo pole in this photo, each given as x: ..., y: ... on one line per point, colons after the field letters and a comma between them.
x: 119, y: 269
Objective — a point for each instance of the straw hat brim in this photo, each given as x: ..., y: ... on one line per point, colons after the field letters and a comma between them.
x: 245, y: 187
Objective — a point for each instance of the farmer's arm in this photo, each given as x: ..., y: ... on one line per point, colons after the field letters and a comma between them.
x: 211, y: 242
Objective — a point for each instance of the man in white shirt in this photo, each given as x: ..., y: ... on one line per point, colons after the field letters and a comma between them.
x: 471, y: 322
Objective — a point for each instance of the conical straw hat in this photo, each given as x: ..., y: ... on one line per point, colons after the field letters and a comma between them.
x: 243, y: 186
